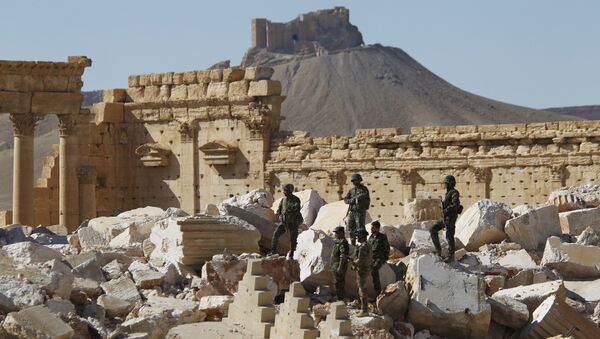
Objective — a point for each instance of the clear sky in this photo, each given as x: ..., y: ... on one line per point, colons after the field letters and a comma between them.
x: 537, y: 53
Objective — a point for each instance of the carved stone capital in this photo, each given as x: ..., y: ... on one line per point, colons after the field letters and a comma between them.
x: 66, y: 125
x: 481, y: 174
x: 336, y: 177
x: 24, y: 124
x: 187, y: 131
x: 406, y: 176
x: 558, y: 172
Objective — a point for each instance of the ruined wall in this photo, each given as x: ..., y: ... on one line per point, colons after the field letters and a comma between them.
x: 515, y: 164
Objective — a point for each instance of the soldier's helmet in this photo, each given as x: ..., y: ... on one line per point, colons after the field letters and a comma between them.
x: 339, y: 229
x: 288, y: 188
x: 356, y: 177
x: 449, y: 179
x: 360, y: 232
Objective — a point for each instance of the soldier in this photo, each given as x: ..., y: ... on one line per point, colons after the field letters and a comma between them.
x: 339, y: 261
x: 381, y: 252
x: 451, y: 208
x: 362, y: 265
x: 290, y: 219
x: 358, y: 200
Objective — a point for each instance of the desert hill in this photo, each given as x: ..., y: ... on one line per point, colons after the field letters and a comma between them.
x: 591, y: 112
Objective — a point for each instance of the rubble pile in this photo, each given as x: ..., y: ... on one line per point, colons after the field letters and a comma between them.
x: 529, y: 271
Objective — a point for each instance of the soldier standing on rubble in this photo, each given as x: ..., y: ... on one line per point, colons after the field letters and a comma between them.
x: 381, y: 252
x: 358, y: 200
x: 290, y: 218
x: 339, y: 261
x: 451, y: 208
x: 363, y: 264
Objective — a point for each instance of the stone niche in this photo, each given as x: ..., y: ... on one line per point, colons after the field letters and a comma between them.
x: 218, y: 153
x: 153, y: 155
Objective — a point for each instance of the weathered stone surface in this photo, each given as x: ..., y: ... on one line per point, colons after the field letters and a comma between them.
x: 407, y: 229
x: 333, y: 215
x: 60, y: 307
x: 533, y: 295
x: 572, y: 260
x: 113, y: 270
x: 574, y: 222
x: 372, y: 326
x: 575, y: 197
x: 395, y: 237
x: 532, y: 229
x: 511, y: 260
x: 174, y: 311
x: 421, y: 243
x: 482, y: 223
x: 421, y: 209
x: 393, y: 301
x: 89, y: 238
x: 145, y: 276
x: 28, y: 252
x: 263, y: 88
x: 90, y: 288
x: 258, y: 201
x: 494, y: 283
x: 89, y: 269
x: 586, y: 290
x: 446, y: 301
x: 215, y: 305
x: 37, y: 322
x: 509, y: 312
x: 311, y: 203
x: 19, y: 293
x: 589, y: 237
x: 313, y: 254
x: 337, y: 324
x: 122, y: 288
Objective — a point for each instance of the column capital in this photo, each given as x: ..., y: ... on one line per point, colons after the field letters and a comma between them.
x: 187, y: 131
x: 24, y: 124
x: 65, y: 125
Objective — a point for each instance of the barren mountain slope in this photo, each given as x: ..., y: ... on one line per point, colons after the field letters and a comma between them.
x: 591, y: 112
x: 378, y: 86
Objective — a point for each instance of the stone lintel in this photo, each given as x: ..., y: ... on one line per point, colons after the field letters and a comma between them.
x: 15, y: 102
x: 56, y: 103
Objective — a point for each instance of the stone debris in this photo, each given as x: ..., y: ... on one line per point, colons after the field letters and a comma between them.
x: 36, y: 322
x: 313, y: 254
x: 575, y: 197
x: 589, y: 237
x: 533, y: 295
x: 421, y: 209
x: 420, y: 242
x: 531, y: 230
x: 482, y: 223
x: 114, y: 306
x: 587, y: 290
x: 258, y: 201
x: 173, y: 311
x: 446, y: 301
x: 215, y: 306
x: 572, y: 261
x: 18, y: 294
x: 60, y: 307
x: 554, y: 317
x: 294, y: 320
x: 194, y: 240
x: 311, y: 203
x: 575, y: 222
x: 122, y: 288
x: 407, y: 229
x: 393, y: 301
x: 333, y: 215
x: 395, y: 238
x: 29, y: 252
x: 509, y: 312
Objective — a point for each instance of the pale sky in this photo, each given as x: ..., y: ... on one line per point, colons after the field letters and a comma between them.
x: 536, y: 53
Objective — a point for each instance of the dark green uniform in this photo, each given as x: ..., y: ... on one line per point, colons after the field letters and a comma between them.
x: 381, y: 252
x: 363, y: 265
x: 451, y: 205
x: 289, y: 214
x: 339, y: 256
x: 359, y: 201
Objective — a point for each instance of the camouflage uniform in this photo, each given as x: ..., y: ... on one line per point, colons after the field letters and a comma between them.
x: 359, y: 201
x: 451, y: 210
x: 381, y: 252
x: 363, y: 265
x: 339, y: 257
x: 290, y: 217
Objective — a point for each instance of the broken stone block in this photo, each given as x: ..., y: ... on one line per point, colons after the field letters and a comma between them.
x: 36, y: 322
x: 28, y: 252
x: 264, y: 88
x: 115, y: 307
x: 371, y: 326
x: 494, y: 283
x: 89, y: 269
x: 533, y: 295
x: 337, y: 324
x: 585, y: 290
x: 145, y: 276
x: 194, y: 240
x: 421, y: 209
x: 211, y: 209
x: 19, y: 293
x: 122, y: 288
x: 215, y: 305
x: 576, y: 196
x: 174, y: 311
x: 113, y: 270
x: 393, y: 301
x: 258, y: 73
x: 519, y: 210
x: 531, y: 230
x: 589, y: 237
x: 333, y: 215
x: 554, y: 317
x: 145, y: 327
x: 482, y: 223
x: 311, y: 203
x: 89, y: 238
x: 572, y: 260
x: 446, y: 301
x: 313, y: 254
x: 407, y: 229
x: 511, y: 260
x: 420, y: 242
x: 509, y: 312
x: 60, y: 307
x: 258, y: 201
x: 395, y: 238
x: 294, y: 320
x: 574, y: 222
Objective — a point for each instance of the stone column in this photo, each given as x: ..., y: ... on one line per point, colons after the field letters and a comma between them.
x: 480, y: 188
x: 23, y: 127
x: 87, y: 192
x: 68, y: 185
x: 188, y: 178
x: 407, y: 185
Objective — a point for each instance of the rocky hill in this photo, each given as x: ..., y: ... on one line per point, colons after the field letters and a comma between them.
x: 591, y: 112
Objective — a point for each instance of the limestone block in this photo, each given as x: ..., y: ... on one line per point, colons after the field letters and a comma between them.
x: 337, y: 324
x: 311, y: 203
x: 421, y: 243
x: 196, y: 91
x: 482, y: 223
x: 215, y: 305
x: 395, y: 237
x: 264, y: 88
x: 216, y: 75
x: 511, y: 259
x: 533, y: 295
x: 407, y: 229
x: 258, y: 73
x: 554, y: 317
x: 136, y: 94
x: 293, y: 320
x: 90, y: 288
x: 313, y: 254
x: 574, y: 222
x: 56, y: 103
x: 29, y: 252
x: 233, y: 74
x: 494, y: 283
x: 521, y: 209
x: 179, y: 92
x: 531, y: 230
x: 60, y: 307
x: 575, y: 197
x: 446, y: 301
x: 204, y: 76
x: 217, y: 89
x: 122, y: 288
x: 89, y: 269
x: 509, y: 312
x: 145, y: 277
x: 114, y: 306
x: 174, y: 311
x: 393, y: 301
x: 114, y: 95
x: 194, y: 240
x: 586, y: 290
x: 332, y: 215
x: 238, y: 88
x: 589, y: 237
x: 15, y: 102
x: 258, y: 201
x: 16, y: 294
x: 421, y: 210
x: 37, y: 322
x: 252, y: 307
x: 572, y: 260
